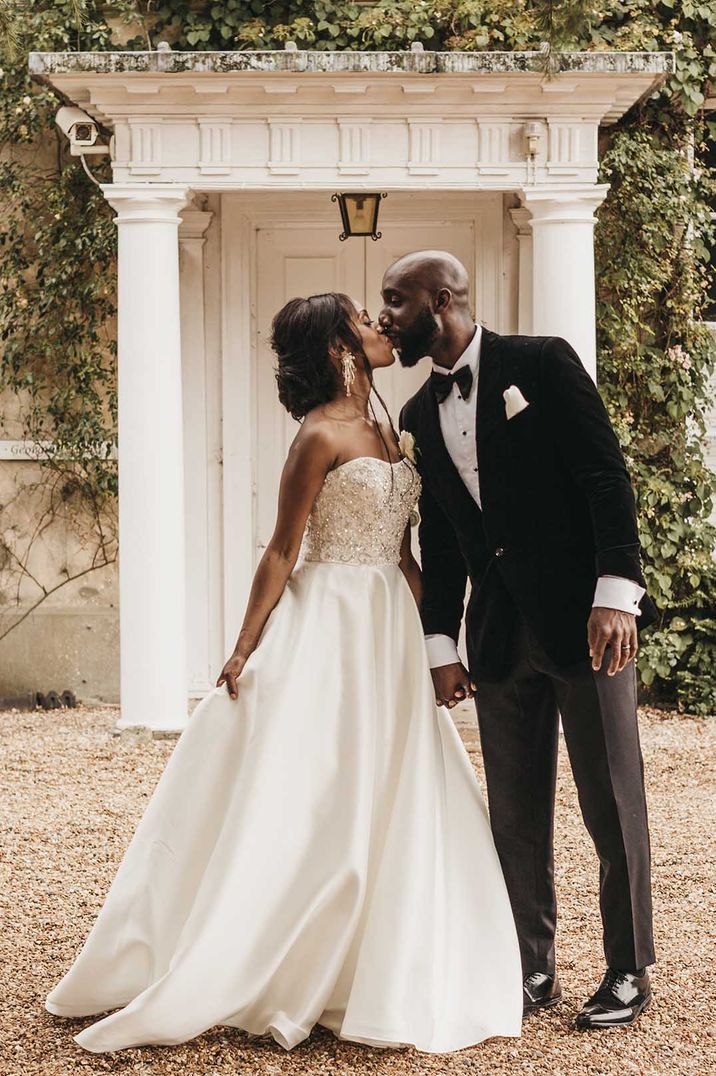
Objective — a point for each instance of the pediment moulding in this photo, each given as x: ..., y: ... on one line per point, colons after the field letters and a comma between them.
x: 274, y: 61
x: 405, y: 120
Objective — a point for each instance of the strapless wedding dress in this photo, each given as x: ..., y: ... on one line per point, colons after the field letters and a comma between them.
x: 316, y: 850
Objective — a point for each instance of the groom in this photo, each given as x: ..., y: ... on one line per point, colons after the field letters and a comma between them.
x: 525, y: 493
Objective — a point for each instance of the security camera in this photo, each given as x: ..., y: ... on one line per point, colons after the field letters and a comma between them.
x: 81, y: 130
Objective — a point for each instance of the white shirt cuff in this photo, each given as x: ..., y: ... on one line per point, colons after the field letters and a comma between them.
x: 613, y: 592
x: 442, y: 650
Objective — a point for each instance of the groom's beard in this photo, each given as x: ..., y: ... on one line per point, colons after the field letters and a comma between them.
x: 416, y: 341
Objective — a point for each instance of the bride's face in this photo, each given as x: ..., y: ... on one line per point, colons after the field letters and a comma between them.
x: 378, y: 349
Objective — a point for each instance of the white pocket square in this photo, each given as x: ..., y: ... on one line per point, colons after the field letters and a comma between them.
x: 514, y: 401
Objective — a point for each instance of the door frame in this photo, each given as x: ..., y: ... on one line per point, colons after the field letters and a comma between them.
x: 242, y: 215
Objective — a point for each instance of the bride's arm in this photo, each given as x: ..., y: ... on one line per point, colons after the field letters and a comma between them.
x: 410, y: 568
x: 309, y: 458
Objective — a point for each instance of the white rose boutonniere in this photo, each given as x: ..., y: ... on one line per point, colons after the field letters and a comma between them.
x: 407, y: 446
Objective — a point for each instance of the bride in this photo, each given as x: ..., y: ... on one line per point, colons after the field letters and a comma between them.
x: 317, y: 849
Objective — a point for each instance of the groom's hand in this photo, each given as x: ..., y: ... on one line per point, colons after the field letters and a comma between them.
x: 611, y: 627
x: 452, y: 684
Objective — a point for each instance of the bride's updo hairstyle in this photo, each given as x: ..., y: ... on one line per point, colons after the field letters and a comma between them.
x: 301, y: 334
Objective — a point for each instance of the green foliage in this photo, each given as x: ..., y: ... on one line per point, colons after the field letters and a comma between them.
x: 655, y: 355
x: 57, y: 346
x: 331, y: 24
x: 57, y: 351
x: 681, y: 658
x: 57, y: 248
x: 655, y: 352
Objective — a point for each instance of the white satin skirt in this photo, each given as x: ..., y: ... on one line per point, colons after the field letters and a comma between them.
x: 316, y: 851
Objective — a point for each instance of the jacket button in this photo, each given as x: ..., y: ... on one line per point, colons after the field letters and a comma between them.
x: 499, y: 551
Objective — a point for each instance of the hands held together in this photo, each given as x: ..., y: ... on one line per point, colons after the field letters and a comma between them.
x: 452, y: 684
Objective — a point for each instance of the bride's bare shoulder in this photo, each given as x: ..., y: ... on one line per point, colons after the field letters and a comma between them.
x: 316, y: 441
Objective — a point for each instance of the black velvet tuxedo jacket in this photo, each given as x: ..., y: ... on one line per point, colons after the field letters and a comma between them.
x: 557, y: 508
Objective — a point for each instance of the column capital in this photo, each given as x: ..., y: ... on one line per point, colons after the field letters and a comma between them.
x: 521, y: 220
x: 147, y: 203
x: 194, y: 223
x: 563, y: 204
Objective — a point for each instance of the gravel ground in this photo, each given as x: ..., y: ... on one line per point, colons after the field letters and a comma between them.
x: 73, y: 794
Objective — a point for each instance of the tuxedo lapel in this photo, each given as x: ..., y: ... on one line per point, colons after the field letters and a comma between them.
x: 490, y: 416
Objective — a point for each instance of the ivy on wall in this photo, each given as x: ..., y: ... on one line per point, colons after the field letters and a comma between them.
x: 57, y: 344
x: 656, y: 355
x: 654, y: 232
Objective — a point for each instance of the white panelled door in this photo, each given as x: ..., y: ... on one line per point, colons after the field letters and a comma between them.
x: 302, y: 261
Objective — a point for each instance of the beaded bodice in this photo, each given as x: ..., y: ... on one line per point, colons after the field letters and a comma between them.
x: 360, y: 515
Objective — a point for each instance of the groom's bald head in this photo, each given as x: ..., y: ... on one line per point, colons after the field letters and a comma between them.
x: 432, y: 271
x: 426, y: 305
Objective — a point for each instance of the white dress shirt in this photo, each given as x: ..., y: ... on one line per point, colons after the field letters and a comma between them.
x: 458, y: 424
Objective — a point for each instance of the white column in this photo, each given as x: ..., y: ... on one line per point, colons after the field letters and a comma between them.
x: 563, y: 265
x: 521, y: 220
x: 152, y: 617
x: 194, y: 223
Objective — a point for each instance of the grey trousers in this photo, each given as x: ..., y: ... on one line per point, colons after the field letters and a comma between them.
x: 518, y: 719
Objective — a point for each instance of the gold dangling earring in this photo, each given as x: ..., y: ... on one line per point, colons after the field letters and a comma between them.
x: 348, y: 364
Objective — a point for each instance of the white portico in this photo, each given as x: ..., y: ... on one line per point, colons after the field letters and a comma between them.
x: 223, y: 166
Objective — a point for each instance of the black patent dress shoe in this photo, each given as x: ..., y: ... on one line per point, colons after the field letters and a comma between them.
x: 540, y: 991
x: 621, y: 996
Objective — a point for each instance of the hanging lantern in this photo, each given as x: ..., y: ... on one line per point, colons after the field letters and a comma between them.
x: 359, y: 213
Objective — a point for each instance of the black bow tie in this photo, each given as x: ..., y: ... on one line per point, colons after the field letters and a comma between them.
x: 443, y: 383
